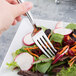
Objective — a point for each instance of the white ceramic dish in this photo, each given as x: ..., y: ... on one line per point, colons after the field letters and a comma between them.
x: 24, y: 28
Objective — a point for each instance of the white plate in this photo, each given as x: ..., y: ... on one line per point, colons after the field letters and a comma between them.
x: 24, y: 28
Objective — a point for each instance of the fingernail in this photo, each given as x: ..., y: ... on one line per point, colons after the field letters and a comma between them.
x: 29, y: 5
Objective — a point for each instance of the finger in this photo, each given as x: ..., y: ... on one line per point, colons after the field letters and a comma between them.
x: 22, y: 8
x: 18, y: 18
x: 15, y: 22
x: 12, y: 1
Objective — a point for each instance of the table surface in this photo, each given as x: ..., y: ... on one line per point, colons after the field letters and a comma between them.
x: 43, y: 9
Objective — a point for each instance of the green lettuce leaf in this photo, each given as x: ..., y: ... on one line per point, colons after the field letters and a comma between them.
x: 12, y: 64
x: 57, y: 38
x: 71, y: 26
x: 43, y: 67
x: 42, y: 56
x: 71, y: 71
x: 42, y: 64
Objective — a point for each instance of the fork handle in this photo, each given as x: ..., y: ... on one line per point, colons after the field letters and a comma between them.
x: 29, y: 15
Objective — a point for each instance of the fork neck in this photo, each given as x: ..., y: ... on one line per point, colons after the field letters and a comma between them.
x: 36, y: 29
x: 34, y: 25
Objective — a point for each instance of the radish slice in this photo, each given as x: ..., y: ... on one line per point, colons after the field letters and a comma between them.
x: 24, y: 60
x: 27, y: 40
x: 63, y: 31
x: 59, y: 25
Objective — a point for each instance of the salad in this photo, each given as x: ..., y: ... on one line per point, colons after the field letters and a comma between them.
x: 31, y: 61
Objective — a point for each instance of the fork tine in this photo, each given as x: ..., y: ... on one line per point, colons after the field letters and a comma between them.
x: 47, y: 45
x: 41, y: 48
x: 49, y: 42
x: 44, y: 47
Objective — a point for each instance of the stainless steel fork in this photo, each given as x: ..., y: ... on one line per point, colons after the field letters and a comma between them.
x: 40, y: 38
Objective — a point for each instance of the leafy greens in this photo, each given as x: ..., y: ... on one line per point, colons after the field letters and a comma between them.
x: 71, y: 71
x: 71, y: 26
x: 12, y: 64
x: 57, y: 38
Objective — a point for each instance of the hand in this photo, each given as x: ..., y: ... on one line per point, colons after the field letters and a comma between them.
x: 10, y: 12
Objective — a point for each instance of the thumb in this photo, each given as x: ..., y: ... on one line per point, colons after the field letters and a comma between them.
x: 22, y: 8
